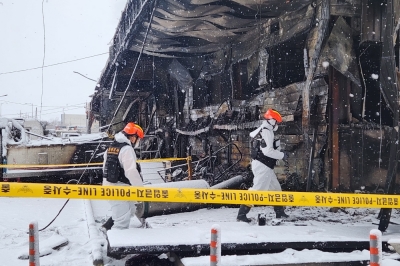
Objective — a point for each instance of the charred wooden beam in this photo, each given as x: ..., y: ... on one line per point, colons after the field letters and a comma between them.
x: 334, y: 91
x: 390, y: 92
x: 349, y: 8
x: 323, y: 23
x: 314, y: 121
x: 317, y: 38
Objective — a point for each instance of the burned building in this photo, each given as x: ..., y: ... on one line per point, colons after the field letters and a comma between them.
x: 198, y: 74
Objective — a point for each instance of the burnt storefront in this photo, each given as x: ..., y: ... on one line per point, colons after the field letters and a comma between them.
x: 196, y: 75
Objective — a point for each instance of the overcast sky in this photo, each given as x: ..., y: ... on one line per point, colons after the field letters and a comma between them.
x: 73, y: 29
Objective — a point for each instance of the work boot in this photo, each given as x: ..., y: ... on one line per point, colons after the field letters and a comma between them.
x: 241, y: 217
x: 107, y: 225
x: 280, y: 212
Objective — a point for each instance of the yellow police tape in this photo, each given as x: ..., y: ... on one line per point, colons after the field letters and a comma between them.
x: 193, y: 195
x: 18, y: 166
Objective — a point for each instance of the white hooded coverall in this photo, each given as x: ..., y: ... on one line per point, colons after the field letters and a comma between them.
x: 122, y: 210
x: 265, y: 177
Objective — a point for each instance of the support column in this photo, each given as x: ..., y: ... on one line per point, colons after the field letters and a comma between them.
x: 334, y: 92
x: 315, y: 40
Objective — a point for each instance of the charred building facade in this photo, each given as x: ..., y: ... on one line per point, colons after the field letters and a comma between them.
x: 198, y: 74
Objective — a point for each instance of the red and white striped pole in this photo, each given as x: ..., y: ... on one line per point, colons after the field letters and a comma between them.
x: 34, y: 244
x: 375, y: 247
x: 215, y: 245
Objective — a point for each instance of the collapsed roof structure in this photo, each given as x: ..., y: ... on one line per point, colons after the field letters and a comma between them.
x: 198, y: 73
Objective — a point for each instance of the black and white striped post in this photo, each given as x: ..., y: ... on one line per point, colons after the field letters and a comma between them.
x: 34, y: 244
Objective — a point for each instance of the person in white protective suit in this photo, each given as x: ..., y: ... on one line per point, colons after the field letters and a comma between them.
x: 120, y: 169
x: 265, y: 151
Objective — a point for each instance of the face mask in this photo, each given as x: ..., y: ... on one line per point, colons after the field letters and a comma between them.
x: 137, y: 143
x: 133, y: 143
x: 273, y: 123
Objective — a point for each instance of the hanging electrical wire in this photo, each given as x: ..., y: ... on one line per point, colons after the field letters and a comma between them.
x: 51, y: 65
x: 137, y: 63
x: 44, y: 57
x: 45, y: 106
x: 116, y: 111
x: 380, y: 129
x: 50, y: 110
x: 48, y: 113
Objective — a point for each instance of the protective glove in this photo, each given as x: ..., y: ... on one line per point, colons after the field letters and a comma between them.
x: 285, y: 156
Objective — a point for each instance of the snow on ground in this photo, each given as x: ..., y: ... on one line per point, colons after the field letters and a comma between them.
x: 71, y: 224
x: 19, y: 212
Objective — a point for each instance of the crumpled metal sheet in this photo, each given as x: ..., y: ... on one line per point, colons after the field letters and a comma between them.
x: 339, y: 51
x: 206, y: 26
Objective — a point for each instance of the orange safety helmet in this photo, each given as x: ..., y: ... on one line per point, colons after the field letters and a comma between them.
x: 273, y: 114
x: 133, y: 129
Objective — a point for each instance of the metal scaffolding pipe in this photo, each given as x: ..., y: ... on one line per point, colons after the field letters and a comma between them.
x: 149, y: 209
